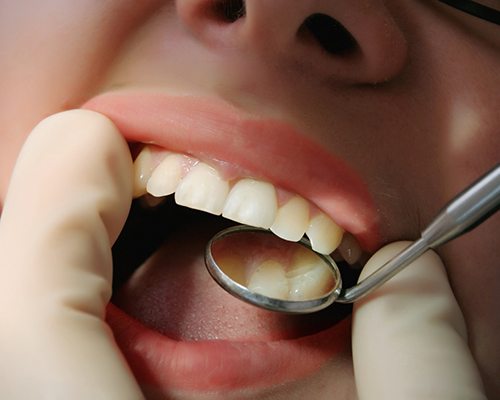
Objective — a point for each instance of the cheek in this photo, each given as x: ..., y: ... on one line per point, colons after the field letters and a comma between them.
x: 52, y: 58
x: 472, y: 264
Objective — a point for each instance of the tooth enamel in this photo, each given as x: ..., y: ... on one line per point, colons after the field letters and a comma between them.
x: 251, y: 202
x: 292, y: 219
x: 308, y: 276
x: 269, y: 279
x: 143, y: 167
x: 202, y: 189
x: 166, y: 176
x: 324, y: 234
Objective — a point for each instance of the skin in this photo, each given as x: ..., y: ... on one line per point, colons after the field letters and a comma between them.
x: 416, y: 113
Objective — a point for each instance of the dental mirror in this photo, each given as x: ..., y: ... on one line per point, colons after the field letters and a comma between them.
x: 258, y: 267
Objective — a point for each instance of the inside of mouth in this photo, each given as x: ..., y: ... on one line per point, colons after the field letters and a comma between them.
x: 149, y: 229
x: 267, y: 265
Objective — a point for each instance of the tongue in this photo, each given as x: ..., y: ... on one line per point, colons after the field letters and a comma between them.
x: 173, y: 293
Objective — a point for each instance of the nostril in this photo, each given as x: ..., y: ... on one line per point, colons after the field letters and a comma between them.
x: 229, y: 10
x: 330, y: 34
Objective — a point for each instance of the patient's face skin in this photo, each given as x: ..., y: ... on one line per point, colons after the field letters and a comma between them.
x: 412, y: 107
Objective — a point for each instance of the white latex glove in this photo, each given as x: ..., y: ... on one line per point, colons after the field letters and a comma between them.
x: 67, y: 201
x: 409, y: 336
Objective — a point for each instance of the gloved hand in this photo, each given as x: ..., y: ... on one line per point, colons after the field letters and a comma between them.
x: 409, y: 336
x: 67, y: 201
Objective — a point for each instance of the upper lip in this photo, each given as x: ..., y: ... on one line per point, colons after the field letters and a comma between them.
x: 266, y: 149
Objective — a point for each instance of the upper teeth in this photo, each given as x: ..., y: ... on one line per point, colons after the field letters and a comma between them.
x: 252, y: 202
x: 203, y: 189
x: 249, y: 201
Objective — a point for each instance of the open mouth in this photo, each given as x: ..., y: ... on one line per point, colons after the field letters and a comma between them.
x: 173, y: 323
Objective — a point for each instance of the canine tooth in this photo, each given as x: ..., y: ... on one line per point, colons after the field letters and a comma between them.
x: 166, y: 176
x: 349, y: 249
x: 292, y: 219
x: 308, y: 276
x: 143, y: 167
x: 324, y: 234
x: 251, y: 202
x: 202, y: 189
x: 269, y: 279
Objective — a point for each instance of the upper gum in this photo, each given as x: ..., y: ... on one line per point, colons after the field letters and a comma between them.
x: 228, y: 172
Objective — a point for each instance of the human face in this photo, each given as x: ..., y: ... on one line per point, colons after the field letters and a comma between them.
x: 392, y: 125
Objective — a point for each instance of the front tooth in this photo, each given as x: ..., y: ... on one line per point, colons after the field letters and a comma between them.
x: 202, y: 189
x: 309, y: 276
x: 143, y: 167
x: 166, y: 176
x: 252, y: 202
x: 292, y: 219
x: 324, y: 234
x: 269, y: 279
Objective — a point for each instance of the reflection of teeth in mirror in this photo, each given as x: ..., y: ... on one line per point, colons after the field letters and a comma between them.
x: 251, y: 202
x: 324, y: 234
x: 269, y: 279
x: 143, y: 167
x: 349, y: 249
x: 166, y: 176
x: 308, y: 276
x: 292, y: 219
x: 202, y: 189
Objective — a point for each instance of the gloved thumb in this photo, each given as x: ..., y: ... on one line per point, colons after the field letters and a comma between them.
x: 409, y: 336
x: 67, y: 201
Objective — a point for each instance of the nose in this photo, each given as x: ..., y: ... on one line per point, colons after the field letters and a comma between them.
x: 357, y: 41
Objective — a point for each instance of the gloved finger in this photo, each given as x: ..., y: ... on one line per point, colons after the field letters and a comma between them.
x: 409, y: 336
x: 67, y: 201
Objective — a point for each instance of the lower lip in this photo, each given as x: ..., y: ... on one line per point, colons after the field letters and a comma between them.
x: 160, y: 363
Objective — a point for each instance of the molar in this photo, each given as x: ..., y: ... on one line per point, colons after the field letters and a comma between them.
x: 308, y: 276
x: 252, y: 202
x: 202, y: 189
x: 269, y: 279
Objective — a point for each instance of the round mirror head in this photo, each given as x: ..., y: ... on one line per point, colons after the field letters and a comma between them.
x: 262, y: 269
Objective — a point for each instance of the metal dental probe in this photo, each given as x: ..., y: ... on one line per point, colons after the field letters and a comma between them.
x: 466, y: 211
